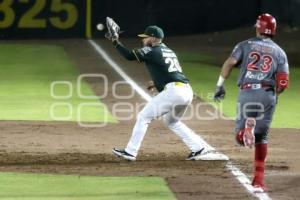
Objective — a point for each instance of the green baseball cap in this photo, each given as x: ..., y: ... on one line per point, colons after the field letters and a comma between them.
x: 152, y: 31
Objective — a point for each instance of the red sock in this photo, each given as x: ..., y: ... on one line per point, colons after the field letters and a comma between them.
x: 260, y: 157
x: 239, y: 137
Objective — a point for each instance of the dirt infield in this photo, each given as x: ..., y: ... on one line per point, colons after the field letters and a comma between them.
x: 66, y: 148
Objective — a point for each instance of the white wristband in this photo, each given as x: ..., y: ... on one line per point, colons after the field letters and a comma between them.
x: 220, y: 81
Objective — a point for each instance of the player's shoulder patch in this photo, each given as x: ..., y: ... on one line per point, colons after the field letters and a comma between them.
x: 146, y: 50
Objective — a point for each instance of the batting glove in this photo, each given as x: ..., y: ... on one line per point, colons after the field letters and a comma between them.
x: 219, y: 93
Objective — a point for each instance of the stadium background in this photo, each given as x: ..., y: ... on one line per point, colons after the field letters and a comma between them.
x: 45, y: 42
x: 73, y: 18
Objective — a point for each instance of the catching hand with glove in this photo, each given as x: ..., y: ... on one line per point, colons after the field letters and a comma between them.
x: 113, y: 29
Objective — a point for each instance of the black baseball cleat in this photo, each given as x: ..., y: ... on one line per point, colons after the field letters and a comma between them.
x: 122, y: 153
x: 194, y: 155
x: 205, y: 154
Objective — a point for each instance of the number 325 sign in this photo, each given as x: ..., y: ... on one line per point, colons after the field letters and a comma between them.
x: 40, y: 14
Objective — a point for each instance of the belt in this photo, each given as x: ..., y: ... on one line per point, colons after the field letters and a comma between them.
x: 255, y: 86
x: 180, y: 84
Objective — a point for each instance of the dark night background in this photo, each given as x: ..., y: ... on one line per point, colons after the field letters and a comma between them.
x: 176, y: 17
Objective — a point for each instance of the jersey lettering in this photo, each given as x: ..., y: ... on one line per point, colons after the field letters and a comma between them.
x: 145, y: 50
x: 257, y: 76
x: 174, y: 65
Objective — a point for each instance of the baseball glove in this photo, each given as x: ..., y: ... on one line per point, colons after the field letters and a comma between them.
x: 113, y: 29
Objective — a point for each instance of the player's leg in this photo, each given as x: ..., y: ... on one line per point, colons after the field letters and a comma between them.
x: 191, y: 139
x: 259, y: 167
x: 156, y: 107
x: 182, y: 98
x: 172, y: 121
x: 246, y: 121
x: 261, y: 145
x: 246, y: 126
x: 263, y: 116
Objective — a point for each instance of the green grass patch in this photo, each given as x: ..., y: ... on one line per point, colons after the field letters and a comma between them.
x: 27, y: 72
x: 61, y: 187
x: 204, y: 76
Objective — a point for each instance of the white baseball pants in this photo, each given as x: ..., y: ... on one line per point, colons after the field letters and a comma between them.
x: 171, y: 104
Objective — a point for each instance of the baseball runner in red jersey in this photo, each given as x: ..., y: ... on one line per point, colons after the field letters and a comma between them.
x: 264, y: 74
x: 175, y: 93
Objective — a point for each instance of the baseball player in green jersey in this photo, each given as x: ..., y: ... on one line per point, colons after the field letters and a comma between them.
x: 175, y: 93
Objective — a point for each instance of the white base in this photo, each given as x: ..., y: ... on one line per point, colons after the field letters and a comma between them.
x: 213, y: 155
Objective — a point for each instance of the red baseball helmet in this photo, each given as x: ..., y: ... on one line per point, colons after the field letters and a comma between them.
x: 266, y: 24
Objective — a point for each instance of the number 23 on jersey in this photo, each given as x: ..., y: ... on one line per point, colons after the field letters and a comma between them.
x: 256, y: 57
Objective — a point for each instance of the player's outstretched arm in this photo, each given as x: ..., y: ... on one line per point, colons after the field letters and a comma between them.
x: 113, y: 34
x: 125, y: 52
